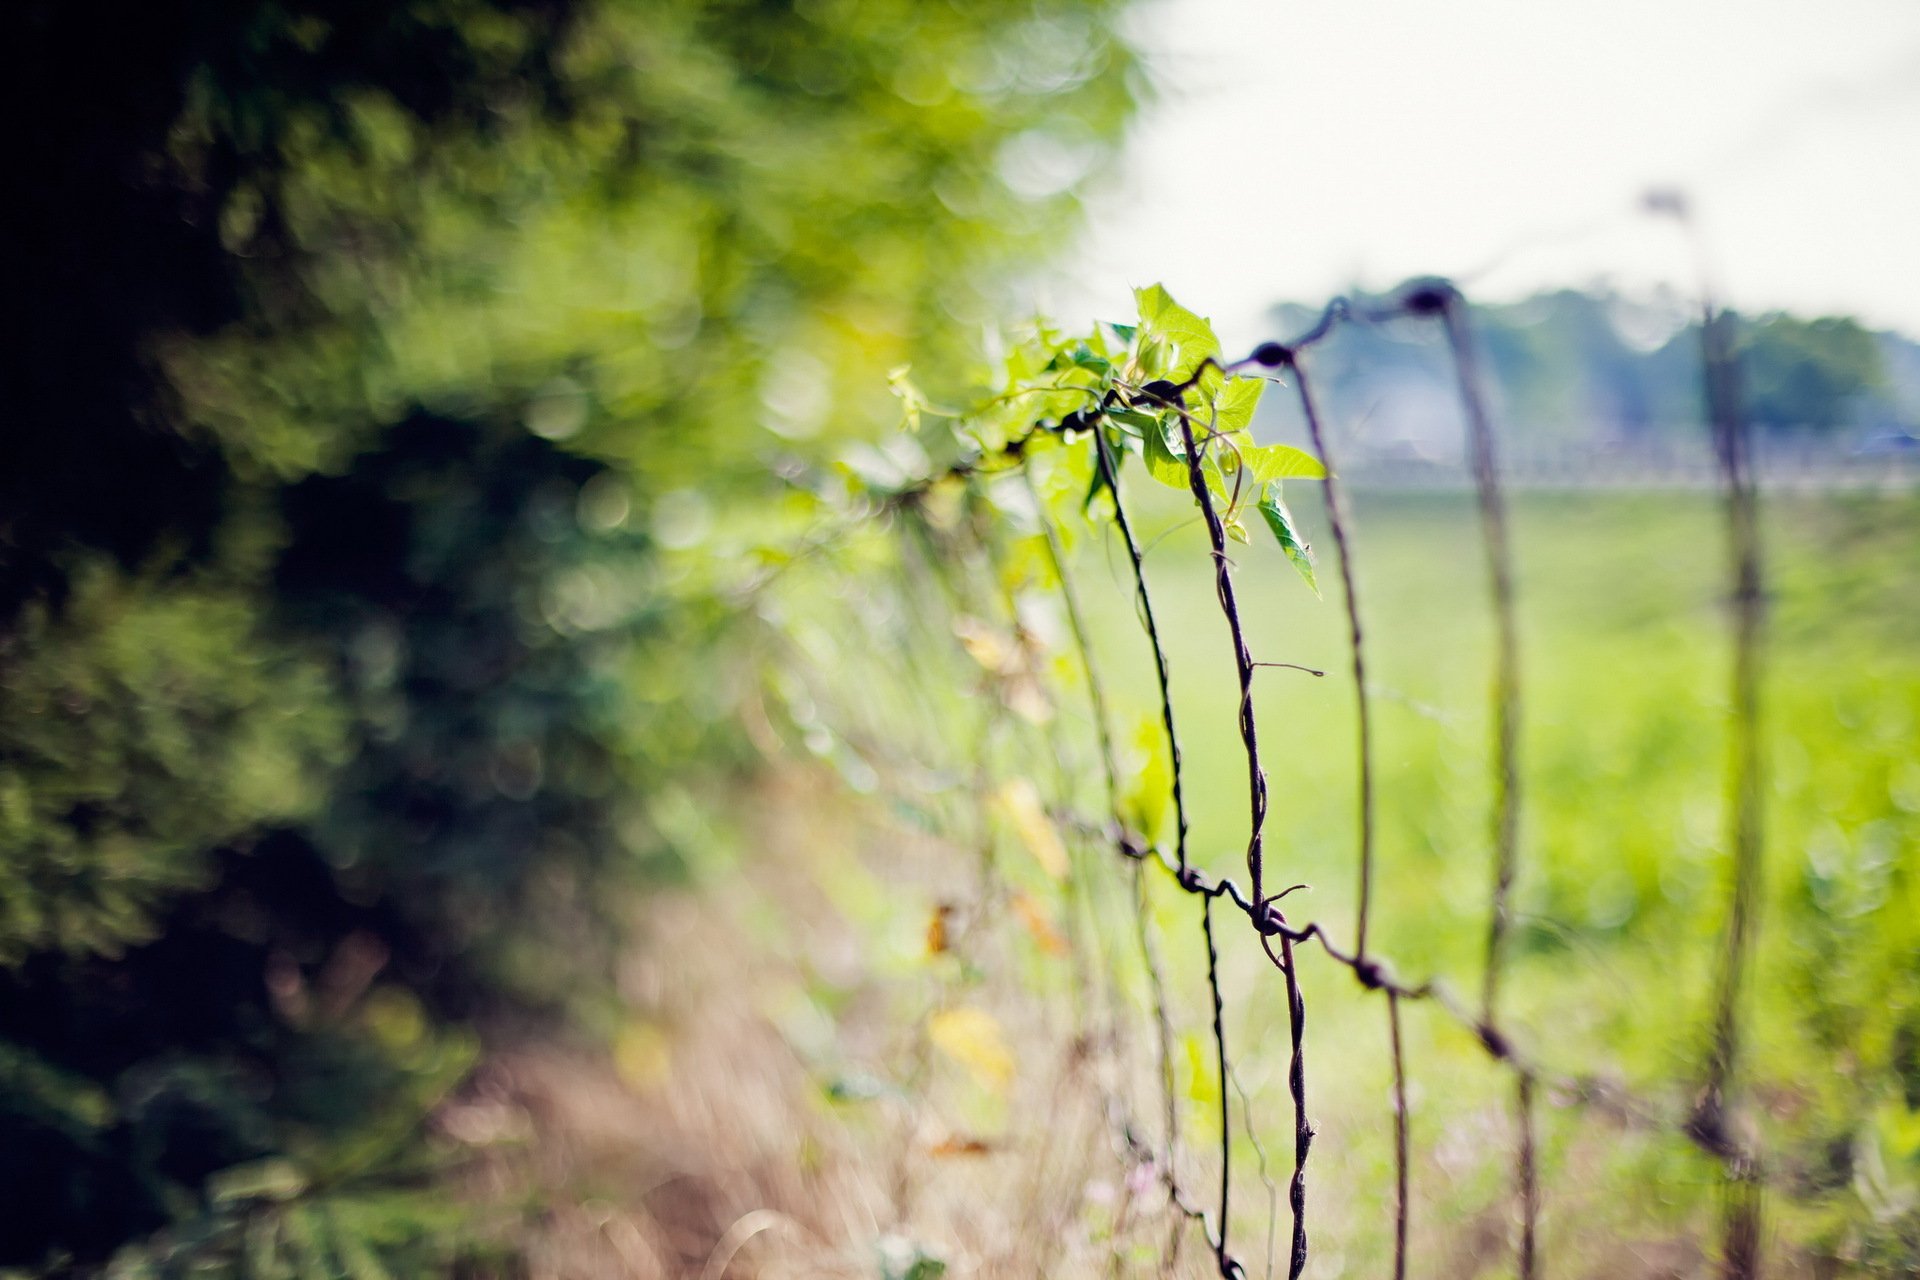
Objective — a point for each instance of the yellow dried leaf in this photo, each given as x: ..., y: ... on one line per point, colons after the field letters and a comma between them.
x: 1039, y: 921
x: 1030, y: 822
x: 986, y: 645
x: 973, y: 1038
x: 1027, y: 698
x: 642, y: 1055
x: 960, y: 1145
x: 937, y: 938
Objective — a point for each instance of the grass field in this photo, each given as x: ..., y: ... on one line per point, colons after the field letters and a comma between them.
x: 1622, y: 884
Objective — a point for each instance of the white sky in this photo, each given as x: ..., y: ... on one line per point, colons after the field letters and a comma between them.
x: 1303, y: 147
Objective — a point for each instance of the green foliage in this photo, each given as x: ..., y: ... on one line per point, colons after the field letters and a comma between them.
x: 1070, y: 397
x: 382, y: 380
x: 145, y: 725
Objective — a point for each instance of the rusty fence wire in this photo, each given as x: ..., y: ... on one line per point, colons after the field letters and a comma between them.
x: 927, y: 572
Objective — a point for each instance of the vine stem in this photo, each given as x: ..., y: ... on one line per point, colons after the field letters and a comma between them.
x: 1110, y: 477
x: 1257, y: 806
x: 1242, y: 657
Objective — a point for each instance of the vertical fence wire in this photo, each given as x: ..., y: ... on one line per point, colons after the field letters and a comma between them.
x: 1338, y: 525
x: 1741, y: 1221
x: 1708, y: 1125
x: 1453, y: 313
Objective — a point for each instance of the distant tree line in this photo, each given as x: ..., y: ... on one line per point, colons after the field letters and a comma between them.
x: 1583, y: 367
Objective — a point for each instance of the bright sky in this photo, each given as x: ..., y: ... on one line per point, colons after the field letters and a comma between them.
x: 1303, y: 147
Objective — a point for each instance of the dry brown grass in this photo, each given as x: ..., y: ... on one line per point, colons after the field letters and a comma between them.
x: 703, y: 1138
x: 705, y: 1141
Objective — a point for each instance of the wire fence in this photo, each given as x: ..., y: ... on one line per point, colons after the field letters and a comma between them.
x: 1713, y: 1123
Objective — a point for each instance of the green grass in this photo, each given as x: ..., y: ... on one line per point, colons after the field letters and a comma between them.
x: 1623, y: 864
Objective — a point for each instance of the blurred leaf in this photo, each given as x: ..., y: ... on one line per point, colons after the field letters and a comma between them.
x: 1149, y: 793
x: 858, y: 1087
x: 1203, y: 1083
x: 912, y: 402
x: 937, y: 939
x: 1039, y: 922
x: 902, y: 1259
x: 986, y: 645
x: 1020, y: 801
x: 270, y: 1179
x: 643, y: 1055
x: 972, y: 1037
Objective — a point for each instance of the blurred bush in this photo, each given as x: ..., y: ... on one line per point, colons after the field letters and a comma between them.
x: 362, y: 359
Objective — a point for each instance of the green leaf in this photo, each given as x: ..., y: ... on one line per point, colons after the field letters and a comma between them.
x: 1085, y: 357
x: 1163, y: 464
x: 1134, y: 422
x: 1154, y: 357
x: 1266, y: 463
x: 1236, y: 402
x: 1287, y: 533
x: 1192, y: 337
